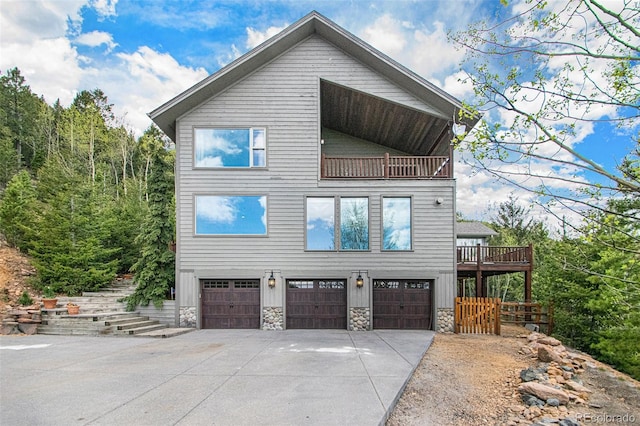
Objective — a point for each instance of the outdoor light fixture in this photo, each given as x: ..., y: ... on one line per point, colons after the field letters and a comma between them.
x: 458, y: 129
x: 272, y: 280
x: 359, y: 280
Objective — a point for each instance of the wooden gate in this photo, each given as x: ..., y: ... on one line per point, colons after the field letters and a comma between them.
x: 479, y: 315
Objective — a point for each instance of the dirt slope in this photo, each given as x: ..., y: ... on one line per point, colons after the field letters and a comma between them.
x: 473, y: 380
x: 15, y: 270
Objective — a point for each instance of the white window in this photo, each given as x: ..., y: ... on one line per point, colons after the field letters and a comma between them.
x: 230, y: 147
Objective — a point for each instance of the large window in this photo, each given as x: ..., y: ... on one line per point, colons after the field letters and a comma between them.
x: 231, y: 215
x: 353, y: 223
x: 217, y: 147
x: 320, y: 223
x: 396, y: 223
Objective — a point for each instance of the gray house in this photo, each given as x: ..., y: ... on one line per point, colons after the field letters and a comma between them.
x: 314, y: 188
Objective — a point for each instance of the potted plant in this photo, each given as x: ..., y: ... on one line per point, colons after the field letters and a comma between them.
x: 73, y: 309
x: 49, y: 299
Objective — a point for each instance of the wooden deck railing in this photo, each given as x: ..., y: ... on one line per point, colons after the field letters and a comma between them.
x: 528, y: 313
x: 386, y: 167
x: 487, y: 254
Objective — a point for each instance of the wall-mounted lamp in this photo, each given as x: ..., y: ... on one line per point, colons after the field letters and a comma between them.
x: 439, y: 200
x: 458, y: 129
x: 359, y: 280
x: 272, y: 280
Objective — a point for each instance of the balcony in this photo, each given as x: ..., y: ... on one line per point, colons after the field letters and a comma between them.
x: 385, y: 167
x: 473, y: 257
x: 479, y: 262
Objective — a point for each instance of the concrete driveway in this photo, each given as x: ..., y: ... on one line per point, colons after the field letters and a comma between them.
x: 208, y: 377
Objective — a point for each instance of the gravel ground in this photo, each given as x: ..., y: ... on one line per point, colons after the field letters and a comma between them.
x: 472, y: 380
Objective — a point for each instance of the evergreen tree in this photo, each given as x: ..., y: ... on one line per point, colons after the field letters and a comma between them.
x: 68, y: 248
x: 155, y: 269
x: 17, y: 210
x: 19, y: 114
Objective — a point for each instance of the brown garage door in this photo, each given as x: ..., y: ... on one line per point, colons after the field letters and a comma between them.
x: 230, y: 303
x: 402, y: 304
x: 317, y: 304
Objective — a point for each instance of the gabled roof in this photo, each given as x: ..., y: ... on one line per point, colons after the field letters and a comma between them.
x: 314, y: 23
x: 473, y: 229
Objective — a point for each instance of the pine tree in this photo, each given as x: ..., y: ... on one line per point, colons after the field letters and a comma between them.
x: 17, y: 210
x: 69, y: 250
x: 155, y: 269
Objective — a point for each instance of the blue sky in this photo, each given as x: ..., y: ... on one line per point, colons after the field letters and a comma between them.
x: 143, y: 53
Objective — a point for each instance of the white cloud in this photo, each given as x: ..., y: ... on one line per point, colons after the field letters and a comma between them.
x: 255, y: 37
x: 51, y: 67
x: 96, y: 39
x: 105, y: 8
x: 34, y: 40
x: 146, y: 80
x: 22, y: 21
x: 432, y: 53
x: 216, y: 209
x: 321, y: 209
x: 387, y: 35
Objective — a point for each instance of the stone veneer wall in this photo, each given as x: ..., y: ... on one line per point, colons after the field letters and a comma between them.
x: 272, y: 318
x: 445, y: 320
x: 359, y: 319
x: 188, y: 316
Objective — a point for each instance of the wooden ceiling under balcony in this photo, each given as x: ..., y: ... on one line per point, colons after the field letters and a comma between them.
x: 383, y: 122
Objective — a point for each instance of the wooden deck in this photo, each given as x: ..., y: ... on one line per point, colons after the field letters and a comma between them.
x: 385, y: 167
x: 480, y: 262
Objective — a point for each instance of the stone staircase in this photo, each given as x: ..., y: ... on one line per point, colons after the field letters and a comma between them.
x: 103, y: 313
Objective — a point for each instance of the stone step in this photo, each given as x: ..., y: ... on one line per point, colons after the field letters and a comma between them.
x: 165, y: 332
x: 124, y: 321
x: 143, y: 329
x: 93, y: 316
x: 97, y: 294
x: 137, y: 324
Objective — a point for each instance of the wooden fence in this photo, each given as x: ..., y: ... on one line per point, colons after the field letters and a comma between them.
x: 527, y: 313
x: 479, y: 315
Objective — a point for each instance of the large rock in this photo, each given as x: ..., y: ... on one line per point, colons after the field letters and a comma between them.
x: 28, y: 328
x: 547, y: 354
x: 551, y: 341
x: 577, y: 387
x: 544, y: 392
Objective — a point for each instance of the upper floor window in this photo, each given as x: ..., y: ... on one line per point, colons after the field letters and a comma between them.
x: 231, y: 215
x: 230, y: 147
x: 396, y: 223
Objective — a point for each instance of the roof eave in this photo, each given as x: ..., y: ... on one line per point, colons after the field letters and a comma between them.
x: 166, y: 115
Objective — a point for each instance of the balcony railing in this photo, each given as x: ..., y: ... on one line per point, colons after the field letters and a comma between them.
x: 494, y: 255
x: 386, y: 167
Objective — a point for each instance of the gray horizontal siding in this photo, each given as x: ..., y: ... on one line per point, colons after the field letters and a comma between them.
x: 341, y: 145
x: 283, y: 97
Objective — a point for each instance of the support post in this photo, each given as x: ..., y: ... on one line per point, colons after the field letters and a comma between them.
x: 386, y: 165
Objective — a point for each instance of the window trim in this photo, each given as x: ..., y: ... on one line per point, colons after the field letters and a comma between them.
x: 195, y: 216
x: 411, y: 223
x: 251, y: 130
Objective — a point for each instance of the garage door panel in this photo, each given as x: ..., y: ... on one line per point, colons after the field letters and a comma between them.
x: 401, y: 304
x: 230, y: 303
x: 316, y: 304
